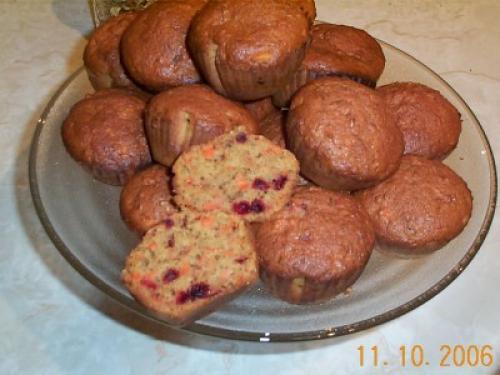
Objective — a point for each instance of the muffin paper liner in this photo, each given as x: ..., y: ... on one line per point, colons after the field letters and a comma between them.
x: 303, y: 290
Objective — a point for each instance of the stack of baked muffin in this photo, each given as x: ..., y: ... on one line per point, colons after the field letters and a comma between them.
x: 251, y: 141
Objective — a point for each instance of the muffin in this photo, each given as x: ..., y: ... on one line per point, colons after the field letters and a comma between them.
x: 308, y: 7
x: 191, y: 115
x: 315, y: 247
x: 189, y: 265
x: 104, y: 132
x: 419, y: 208
x: 260, y: 109
x: 245, y: 49
x: 342, y: 134
x: 145, y: 200
x: 102, y: 54
x: 430, y: 124
x: 154, y: 46
x: 273, y: 127
x: 236, y: 173
x: 336, y: 50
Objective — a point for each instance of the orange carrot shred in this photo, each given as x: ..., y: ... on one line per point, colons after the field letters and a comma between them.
x: 185, y: 268
x: 209, y: 206
x: 243, y: 184
x: 207, y: 221
x: 208, y: 151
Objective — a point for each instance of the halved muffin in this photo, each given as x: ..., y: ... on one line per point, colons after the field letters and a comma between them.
x: 190, y: 264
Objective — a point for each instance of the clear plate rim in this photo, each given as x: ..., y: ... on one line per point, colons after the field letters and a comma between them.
x: 264, y: 336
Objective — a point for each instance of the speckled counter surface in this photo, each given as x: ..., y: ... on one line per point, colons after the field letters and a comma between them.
x: 54, y: 322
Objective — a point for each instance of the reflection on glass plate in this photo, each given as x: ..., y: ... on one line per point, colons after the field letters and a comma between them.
x: 103, y: 9
x: 82, y: 218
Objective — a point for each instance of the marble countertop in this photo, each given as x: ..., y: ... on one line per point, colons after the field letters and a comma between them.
x: 52, y: 321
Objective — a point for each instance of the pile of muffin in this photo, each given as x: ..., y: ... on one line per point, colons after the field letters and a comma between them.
x: 250, y: 141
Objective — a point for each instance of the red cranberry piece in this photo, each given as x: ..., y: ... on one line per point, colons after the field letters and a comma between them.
x: 279, y: 183
x: 241, y: 260
x: 169, y: 223
x: 260, y: 184
x: 241, y: 208
x: 170, y: 275
x: 241, y: 138
x: 199, y: 290
x: 182, y: 298
x: 148, y: 283
x: 257, y: 206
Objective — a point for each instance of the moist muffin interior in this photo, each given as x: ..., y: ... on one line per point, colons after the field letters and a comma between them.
x: 236, y: 173
x: 187, y: 265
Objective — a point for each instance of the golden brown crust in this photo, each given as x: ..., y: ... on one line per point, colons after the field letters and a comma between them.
x: 308, y: 7
x: 430, y: 124
x: 145, y: 200
x: 342, y: 134
x: 260, y: 109
x: 104, y: 132
x: 321, y: 240
x: 273, y: 127
x: 420, y: 207
x: 102, y: 54
x: 154, y: 46
x: 340, y: 49
x: 336, y: 50
x: 245, y: 49
x: 191, y: 115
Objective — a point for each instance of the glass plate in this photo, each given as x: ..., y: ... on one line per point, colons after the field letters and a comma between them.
x: 82, y: 218
x: 102, y: 9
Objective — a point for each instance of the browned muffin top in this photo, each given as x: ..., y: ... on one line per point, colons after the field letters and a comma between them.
x: 146, y: 200
x: 345, y: 50
x: 308, y: 7
x: 273, y: 127
x: 320, y: 234
x: 105, y: 132
x: 430, y: 124
x: 260, y: 109
x: 248, y: 34
x: 421, y: 206
x: 342, y: 134
x: 102, y: 53
x: 154, y: 46
x: 192, y: 115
